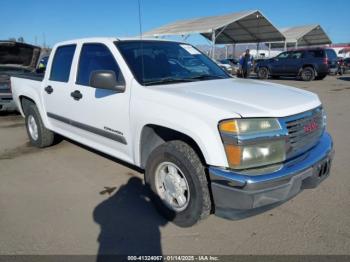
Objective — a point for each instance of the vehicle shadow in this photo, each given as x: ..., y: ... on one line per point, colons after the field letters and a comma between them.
x: 345, y: 78
x: 9, y: 114
x: 129, y: 223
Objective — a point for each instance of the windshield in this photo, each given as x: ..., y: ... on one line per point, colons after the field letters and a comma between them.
x: 158, y: 62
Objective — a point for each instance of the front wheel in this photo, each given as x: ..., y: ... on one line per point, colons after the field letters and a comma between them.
x: 263, y: 73
x: 178, y: 182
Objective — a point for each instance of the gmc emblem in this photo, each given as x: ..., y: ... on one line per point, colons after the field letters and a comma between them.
x: 310, y: 127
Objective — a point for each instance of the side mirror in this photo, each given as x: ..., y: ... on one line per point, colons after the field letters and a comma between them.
x: 106, y: 79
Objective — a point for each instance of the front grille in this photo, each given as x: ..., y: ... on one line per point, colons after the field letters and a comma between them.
x: 304, y: 131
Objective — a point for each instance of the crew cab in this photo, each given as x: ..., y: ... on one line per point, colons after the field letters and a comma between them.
x: 308, y: 64
x: 15, y: 58
x: 208, y: 142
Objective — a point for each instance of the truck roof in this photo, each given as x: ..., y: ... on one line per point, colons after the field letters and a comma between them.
x: 112, y: 39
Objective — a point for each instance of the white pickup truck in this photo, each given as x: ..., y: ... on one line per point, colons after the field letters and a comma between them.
x: 208, y: 143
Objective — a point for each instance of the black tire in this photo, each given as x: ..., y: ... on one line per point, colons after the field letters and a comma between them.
x: 263, y: 73
x: 321, y: 77
x: 45, y: 137
x: 307, y: 74
x: 183, y: 156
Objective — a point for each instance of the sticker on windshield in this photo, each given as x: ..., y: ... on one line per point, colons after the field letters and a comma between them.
x: 190, y: 49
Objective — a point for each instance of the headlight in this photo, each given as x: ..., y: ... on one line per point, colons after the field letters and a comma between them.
x: 249, y: 126
x: 253, y: 142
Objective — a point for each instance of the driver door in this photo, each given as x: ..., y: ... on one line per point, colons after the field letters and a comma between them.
x: 278, y: 64
x: 101, y: 115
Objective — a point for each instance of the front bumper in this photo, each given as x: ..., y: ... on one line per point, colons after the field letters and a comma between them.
x: 238, y: 195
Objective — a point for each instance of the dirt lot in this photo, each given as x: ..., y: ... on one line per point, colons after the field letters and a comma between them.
x: 52, y: 201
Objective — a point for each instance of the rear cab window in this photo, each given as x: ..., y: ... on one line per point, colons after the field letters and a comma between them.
x: 62, y: 63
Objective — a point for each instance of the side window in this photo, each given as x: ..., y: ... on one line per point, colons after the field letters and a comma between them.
x: 316, y: 53
x: 296, y: 55
x: 62, y: 63
x: 331, y: 54
x: 95, y: 57
x: 283, y: 55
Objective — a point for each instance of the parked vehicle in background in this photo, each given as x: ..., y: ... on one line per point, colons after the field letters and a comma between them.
x: 234, y: 65
x: 308, y: 64
x: 224, y: 64
x: 207, y: 142
x: 341, y: 68
x: 15, y: 59
x: 346, y: 64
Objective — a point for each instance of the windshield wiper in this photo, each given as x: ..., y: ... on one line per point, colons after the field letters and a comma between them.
x: 168, y: 80
x: 207, y: 76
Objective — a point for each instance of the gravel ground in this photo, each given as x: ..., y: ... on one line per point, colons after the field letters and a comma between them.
x: 54, y: 201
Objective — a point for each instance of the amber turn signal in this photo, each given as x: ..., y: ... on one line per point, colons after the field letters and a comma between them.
x: 228, y: 126
x: 233, y: 154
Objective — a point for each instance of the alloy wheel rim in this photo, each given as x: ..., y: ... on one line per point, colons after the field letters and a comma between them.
x: 33, y: 128
x: 307, y: 74
x: 172, y: 186
x: 263, y: 73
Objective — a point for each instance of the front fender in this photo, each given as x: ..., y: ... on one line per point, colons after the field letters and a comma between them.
x: 203, y: 130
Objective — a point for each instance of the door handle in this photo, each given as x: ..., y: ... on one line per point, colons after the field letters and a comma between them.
x: 76, y: 95
x: 48, y: 89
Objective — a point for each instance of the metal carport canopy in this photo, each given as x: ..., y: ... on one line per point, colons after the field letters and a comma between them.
x: 242, y: 27
x: 305, y: 35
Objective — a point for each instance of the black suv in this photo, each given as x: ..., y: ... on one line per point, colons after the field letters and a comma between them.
x: 308, y: 64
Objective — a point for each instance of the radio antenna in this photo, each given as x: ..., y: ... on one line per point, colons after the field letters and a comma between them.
x: 140, y: 19
x: 140, y: 28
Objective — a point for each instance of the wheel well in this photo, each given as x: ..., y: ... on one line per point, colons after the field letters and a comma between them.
x: 25, y: 103
x: 153, y: 136
x: 308, y: 65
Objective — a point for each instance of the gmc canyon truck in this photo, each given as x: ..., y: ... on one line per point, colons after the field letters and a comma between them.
x: 15, y: 58
x: 208, y: 143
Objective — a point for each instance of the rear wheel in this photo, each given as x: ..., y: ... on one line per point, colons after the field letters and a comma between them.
x: 263, y: 73
x: 178, y: 182
x: 308, y: 74
x: 38, y: 134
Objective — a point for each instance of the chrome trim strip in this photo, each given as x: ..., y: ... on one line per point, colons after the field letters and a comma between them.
x: 96, y: 131
x: 232, y: 139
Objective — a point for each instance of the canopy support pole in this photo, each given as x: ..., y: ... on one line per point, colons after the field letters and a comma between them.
x: 269, y: 49
x: 226, y: 51
x: 233, y: 50
x: 285, y: 45
x: 296, y: 44
x: 184, y: 37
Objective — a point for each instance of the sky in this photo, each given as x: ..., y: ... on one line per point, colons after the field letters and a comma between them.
x: 59, y: 20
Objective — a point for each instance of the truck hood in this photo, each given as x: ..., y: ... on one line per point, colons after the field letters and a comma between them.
x: 13, y: 54
x: 248, y: 98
